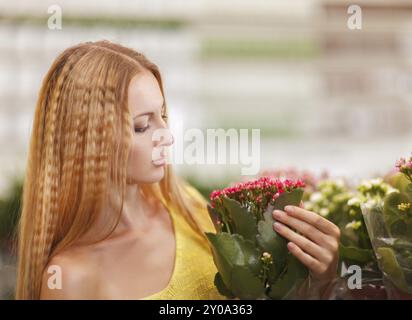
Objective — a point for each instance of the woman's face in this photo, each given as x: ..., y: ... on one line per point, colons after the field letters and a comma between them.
x: 147, y: 156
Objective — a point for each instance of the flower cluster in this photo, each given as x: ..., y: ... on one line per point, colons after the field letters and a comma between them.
x: 340, y: 202
x: 257, y: 263
x: 256, y: 194
x: 390, y: 229
x: 405, y: 166
x: 354, y: 224
x: 370, y: 193
x: 404, y: 206
x: 330, y: 199
x: 374, y: 188
x: 310, y: 179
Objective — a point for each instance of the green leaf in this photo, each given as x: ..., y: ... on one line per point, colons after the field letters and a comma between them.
x: 292, y: 198
x: 355, y: 254
x: 392, y: 269
x: 220, y: 285
x: 243, y: 221
x: 402, y: 245
x: 275, y: 269
x: 268, y: 239
x: 393, y: 217
x: 245, y: 284
x: 408, y: 191
x: 214, y: 216
x: 230, y: 250
x: 290, y: 280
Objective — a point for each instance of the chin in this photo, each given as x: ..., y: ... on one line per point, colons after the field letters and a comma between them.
x: 160, y: 174
x: 156, y: 175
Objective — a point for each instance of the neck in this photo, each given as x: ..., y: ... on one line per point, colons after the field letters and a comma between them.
x: 136, y: 210
x: 135, y: 217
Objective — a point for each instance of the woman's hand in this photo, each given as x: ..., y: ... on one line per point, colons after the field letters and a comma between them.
x: 315, y: 241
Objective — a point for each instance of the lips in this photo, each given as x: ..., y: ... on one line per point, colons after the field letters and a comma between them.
x: 159, y: 162
x: 161, y: 157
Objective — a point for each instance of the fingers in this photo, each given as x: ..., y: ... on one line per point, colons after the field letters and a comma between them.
x: 309, y: 247
x: 314, y: 219
x: 315, y: 242
x: 301, y: 226
x: 312, y: 264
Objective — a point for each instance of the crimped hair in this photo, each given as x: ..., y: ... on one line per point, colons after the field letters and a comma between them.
x: 80, y: 142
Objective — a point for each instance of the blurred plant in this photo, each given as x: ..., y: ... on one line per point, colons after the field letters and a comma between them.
x: 341, y: 204
x: 253, y: 261
x: 9, y: 215
x: 390, y: 229
x: 356, y: 245
x: 204, y: 188
x: 330, y: 200
x: 10, y: 212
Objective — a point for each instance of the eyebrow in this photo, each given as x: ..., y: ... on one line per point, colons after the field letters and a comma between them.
x: 150, y: 112
x: 143, y: 114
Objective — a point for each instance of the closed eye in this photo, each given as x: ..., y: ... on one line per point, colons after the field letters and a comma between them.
x: 141, y: 130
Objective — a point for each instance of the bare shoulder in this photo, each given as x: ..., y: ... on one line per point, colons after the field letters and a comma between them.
x: 69, y: 275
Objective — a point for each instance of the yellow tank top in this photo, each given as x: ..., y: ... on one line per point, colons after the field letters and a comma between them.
x: 194, y: 269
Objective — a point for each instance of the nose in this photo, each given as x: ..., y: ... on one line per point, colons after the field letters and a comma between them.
x: 166, y: 139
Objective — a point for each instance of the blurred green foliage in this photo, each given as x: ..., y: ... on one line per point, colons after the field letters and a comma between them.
x: 256, y: 48
x: 10, y: 211
x: 98, y: 21
x: 205, y: 188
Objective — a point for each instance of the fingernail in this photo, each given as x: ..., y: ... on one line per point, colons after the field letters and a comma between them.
x: 289, y: 208
x: 277, y: 214
x: 277, y: 225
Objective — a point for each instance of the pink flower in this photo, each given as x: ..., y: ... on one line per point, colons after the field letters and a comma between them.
x: 259, y: 192
x: 310, y: 179
x: 400, y: 163
x: 405, y: 166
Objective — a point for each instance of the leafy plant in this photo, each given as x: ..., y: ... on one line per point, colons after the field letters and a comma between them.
x: 390, y: 228
x: 10, y: 212
x: 252, y: 259
x: 340, y: 203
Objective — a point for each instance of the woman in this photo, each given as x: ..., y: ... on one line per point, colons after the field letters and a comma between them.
x: 101, y: 217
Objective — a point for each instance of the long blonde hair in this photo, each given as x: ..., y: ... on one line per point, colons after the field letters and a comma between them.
x: 80, y: 142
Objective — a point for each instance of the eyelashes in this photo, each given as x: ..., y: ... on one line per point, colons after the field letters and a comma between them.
x: 141, y: 130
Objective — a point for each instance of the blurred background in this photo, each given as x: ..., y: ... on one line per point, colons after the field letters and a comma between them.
x: 325, y: 97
